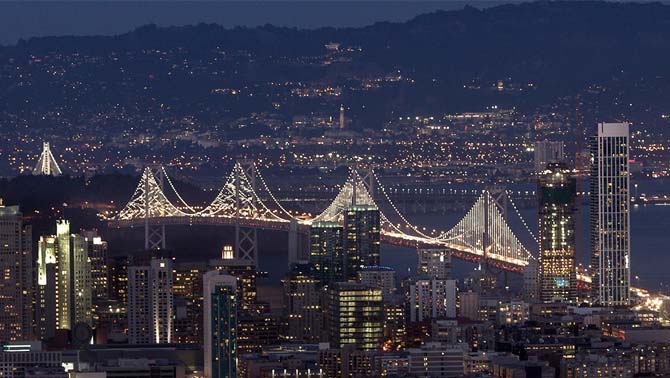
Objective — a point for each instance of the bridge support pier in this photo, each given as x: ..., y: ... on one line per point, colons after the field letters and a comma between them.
x: 246, y: 244
x: 298, y: 244
x: 154, y: 237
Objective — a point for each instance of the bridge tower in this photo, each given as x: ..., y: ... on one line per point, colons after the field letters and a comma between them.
x: 496, y: 199
x: 246, y: 238
x: 154, y: 235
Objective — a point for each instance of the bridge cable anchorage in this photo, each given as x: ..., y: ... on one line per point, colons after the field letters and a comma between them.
x: 148, y: 201
x: 267, y: 189
x: 179, y: 197
x: 237, y: 198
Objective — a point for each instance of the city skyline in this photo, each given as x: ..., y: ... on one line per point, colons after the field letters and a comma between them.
x: 385, y: 190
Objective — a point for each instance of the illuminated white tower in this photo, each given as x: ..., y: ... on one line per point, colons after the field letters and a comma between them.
x: 610, y: 215
x: 342, y: 117
x: 46, y: 164
x: 150, y: 303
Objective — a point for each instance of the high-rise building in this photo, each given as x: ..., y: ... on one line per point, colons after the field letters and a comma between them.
x: 610, y: 215
x: 304, y: 312
x: 187, y: 290
x: 431, y: 299
x: 342, y: 117
x: 246, y: 279
x: 326, y: 251
x: 150, y: 303
x: 16, y: 286
x: 354, y: 316
x: 361, y: 239
x: 531, y: 279
x: 220, y: 324
x: 81, y: 297
x: 64, y: 281
x: 434, y: 263
x: 546, y: 152
x: 97, y: 253
x: 557, y: 204
x: 469, y: 305
x: 381, y: 277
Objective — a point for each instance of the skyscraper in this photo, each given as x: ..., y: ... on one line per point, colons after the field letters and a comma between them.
x: 220, y: 324
x: 97, y: 253
x: 546, y: 152
x: 326, y: 251
x: 81, y: 296
x: 557, y: 200
x: 16, y: 285
x: 362, y: 238
x: 431, y: 299
x: 610, y: 215
x: 435, y: 263
x: 354, y: 316
x: 150, y: 303
x: 302, y: 293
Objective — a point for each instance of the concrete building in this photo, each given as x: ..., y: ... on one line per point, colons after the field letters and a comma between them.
x: 150, y: 303
x: 220, y: 324
x: 610, y: 215
x: 434, y: 263
x: 436, y: 360
x: 16, y: 287
x: 354, y: 316
x: 430, y: 299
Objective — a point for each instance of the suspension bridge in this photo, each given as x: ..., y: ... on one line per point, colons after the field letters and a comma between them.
x: 246, y: 202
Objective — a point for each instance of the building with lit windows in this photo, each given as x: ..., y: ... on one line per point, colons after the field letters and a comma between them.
x: 302, y: 298
x: 610, y: 215
x: 354, y: 316
x: 97, y: 254
x: 220, y: 324
x: 16, y: 285
x: 150, y: 303
x: 361, y: 239
x: 431, y: 299
x: 64, y: 278
x: 436, y: 360
x: 434, y: 263
x: 557, y: 191
x: 326, y: 251
x: 381, y: 277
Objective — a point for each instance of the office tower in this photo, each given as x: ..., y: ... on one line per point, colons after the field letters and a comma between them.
x: 434, y: 263
x: 431, y: 299
x: 326, y: 251
x: 468, y: 305
x: 55, y: 280
x: 546, y: 152
x: 16, y: 287
x: 531, y: 282
x: 118, y: 278
x: 354, y: 316
x: 150, y: 303
x: 188, y: 299
x: 302, y: 296
x: 220, y: 324
x: 381, y: 277
x: 246, y: 279
x: 97, y: 253
x: 557, y: 193
x: 610, y: 215
x: 81, y: 297
x: 361, y: 239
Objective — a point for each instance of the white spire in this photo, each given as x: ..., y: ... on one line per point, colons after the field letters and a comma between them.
x: 46, y: 164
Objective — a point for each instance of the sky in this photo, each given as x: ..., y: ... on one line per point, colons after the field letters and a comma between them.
x: 22, y: 20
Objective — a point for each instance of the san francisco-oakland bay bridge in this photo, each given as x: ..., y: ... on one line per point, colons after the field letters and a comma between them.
x: 246, y: 202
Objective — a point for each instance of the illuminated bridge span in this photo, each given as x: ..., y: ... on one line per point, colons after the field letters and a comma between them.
x: 246, y: 202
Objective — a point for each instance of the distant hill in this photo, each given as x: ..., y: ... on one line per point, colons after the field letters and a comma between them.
x: 556, y: 43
